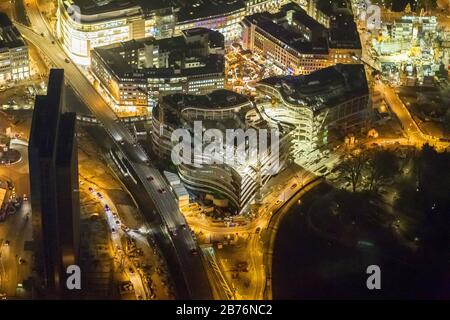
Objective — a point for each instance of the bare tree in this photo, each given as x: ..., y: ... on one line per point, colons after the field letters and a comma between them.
x: 382, y: 166
x: 351, y: 169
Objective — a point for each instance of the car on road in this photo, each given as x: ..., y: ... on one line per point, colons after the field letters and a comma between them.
x: 99, y: 195
x: 67, y: 60
x: 117, y: 222
x: 107, y: 208
x: 113, y: 230
x: 161, y: 190
x: 150, y: 178
x: 183, y: 226
x: 294, y: 186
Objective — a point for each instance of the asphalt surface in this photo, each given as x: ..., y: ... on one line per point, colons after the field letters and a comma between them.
x: 167, y: 208
x: 17, y: 230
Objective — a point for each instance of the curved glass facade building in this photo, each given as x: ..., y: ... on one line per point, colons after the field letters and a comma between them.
x: 331, y: 99
x: 86, y: 24
x: 236, y: 183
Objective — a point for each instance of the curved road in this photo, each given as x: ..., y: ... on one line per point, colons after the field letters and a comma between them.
x: 183, y: 242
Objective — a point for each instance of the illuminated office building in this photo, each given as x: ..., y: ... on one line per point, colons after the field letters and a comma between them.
x: 135, y: 73
x: 230, y: 185
x: 86, y: 24
x: 221, y: 15
x: 331, y: 100
x: 54, y: 187
x: 298, y: 43
x: 14, y: 61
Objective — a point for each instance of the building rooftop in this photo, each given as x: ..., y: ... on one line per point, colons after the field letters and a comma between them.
x: 44, y: 126
x: 344, y: 33
x: 93, y: 11
x: 216, y: 100
x: 216, y: 39
x: 113, y: 57
x: 175, y: 104
x: 298, y: 30
x: 10, y: 37
x: 92, y: 7
x: 98, y: 10
x: 332, y: 7
x: 198, y: 9
x: 323, y: 88
x: 299, y: 15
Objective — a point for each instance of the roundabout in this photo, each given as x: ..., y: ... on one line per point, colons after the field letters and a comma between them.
x: 9, y: 157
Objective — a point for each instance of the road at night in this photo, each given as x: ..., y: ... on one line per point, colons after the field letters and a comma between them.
x: 410, y: 127
x: 17, y: 230
x: 183, y: 242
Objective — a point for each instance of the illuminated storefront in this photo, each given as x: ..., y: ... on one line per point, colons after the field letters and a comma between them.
x: 81, y: 31
x: 14, y: 59
x: 136, y: 73
x: 227, y: 23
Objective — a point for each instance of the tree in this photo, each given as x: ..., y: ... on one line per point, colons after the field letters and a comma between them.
x: 427, y: 4
x: 433, y: 183
x: 383, y: 165
x: 447, y: 122
x: 351, y: 169
x: 408, y: 8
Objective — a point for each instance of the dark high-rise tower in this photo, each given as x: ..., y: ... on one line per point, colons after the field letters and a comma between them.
x: 54, y: 187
